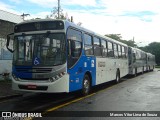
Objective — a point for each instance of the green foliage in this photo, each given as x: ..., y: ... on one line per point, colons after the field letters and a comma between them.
x: 114, y: 36
x: 157, y: 66
x: 153, y: 48
x: 118, y: 37
x: 54, y: 14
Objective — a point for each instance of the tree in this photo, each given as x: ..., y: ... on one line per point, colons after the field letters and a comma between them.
x: 54, y: 13
x: 57, y: 13
x: 118, y: 37
x: 114, y: 36
x: 153, y: 48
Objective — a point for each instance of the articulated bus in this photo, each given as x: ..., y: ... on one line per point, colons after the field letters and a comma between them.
x: 54, y: 56
x: 150, y: 62
x: 140, y: 61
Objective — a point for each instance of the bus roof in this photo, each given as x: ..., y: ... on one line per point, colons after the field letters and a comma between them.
x: 93, y: 33
x: 68, y: 23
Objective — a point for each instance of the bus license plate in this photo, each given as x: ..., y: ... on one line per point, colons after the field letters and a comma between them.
x: 32, y: 86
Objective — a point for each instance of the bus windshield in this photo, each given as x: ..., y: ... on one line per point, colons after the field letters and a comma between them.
x: 40, y: 49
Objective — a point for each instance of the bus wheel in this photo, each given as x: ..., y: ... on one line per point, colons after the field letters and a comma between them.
x: 86, y: 85
x: 135, y: 74
x: 117, y: 76
x: 142, y: 70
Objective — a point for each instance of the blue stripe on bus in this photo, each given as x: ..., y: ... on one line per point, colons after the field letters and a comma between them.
x: 22, y: 71
x: 84, y: 65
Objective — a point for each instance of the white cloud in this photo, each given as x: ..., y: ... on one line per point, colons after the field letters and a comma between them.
x: 16, y: 1
x: 128, y: 27
x: 38, y: 15
x: 8, y: 8
x: 119, y: 6
x: 109, y: 20
x: 53, y: 3
x: 80, y: 2
x: 45, y: 3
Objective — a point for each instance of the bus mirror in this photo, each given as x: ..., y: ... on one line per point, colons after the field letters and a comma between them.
x: 9, y: 43
x: 8, y: 39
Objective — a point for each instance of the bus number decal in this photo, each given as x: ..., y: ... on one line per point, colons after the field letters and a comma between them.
x: 85, y: 64
x: 92, y: 63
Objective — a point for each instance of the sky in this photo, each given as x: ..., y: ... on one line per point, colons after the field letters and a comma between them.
x: 138, y: 19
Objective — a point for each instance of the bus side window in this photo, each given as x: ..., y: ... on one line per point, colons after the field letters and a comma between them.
x: 74, y: 46
x: 110, y: 49
x: 115, y: 51
x: 104, y: 48
x: 97, y: 49
x: 123, y: 52
x: 119, y: 51
x: 88, y: 44
x: 134, y: 57
x: 126, y: 52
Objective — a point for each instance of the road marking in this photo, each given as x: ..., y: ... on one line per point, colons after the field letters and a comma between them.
x: 68, y: 103
x: 76, y: 100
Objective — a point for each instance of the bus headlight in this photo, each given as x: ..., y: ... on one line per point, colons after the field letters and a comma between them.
x: 53, y: 79
x: 16, y: 78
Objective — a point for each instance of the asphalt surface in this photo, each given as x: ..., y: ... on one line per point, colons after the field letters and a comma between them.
x: 141, y: 93
x: 6, y: 90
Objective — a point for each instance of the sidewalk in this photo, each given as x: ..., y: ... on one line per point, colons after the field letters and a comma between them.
x: 6, y: 90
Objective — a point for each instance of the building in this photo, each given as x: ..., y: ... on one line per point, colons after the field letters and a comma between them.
x: 7, y: 22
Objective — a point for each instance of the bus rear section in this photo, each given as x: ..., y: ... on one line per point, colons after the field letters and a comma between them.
x: 150, y: 62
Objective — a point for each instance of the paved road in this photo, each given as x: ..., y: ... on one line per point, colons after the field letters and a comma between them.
x: 141, y: 93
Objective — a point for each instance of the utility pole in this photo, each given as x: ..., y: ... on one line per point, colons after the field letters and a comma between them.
x: 57, y: 11
x: 58, y: 8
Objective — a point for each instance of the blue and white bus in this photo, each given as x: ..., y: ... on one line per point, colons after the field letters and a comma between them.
x: 55, y: 56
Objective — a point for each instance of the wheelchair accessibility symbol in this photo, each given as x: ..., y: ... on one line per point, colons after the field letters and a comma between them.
x: 36, y: 61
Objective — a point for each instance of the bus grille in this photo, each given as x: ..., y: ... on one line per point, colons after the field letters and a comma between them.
x: 34, y: 70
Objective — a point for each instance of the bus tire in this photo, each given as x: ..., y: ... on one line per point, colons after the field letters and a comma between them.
x: 149, y: 69
x: 117, y: 76
x: 86, y: 88
x: 142, y: 69
x: 152, y: 68
x: 135, y: 74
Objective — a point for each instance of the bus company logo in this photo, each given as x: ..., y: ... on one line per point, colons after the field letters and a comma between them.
x: 36, y: 61
x: 6, y: 114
